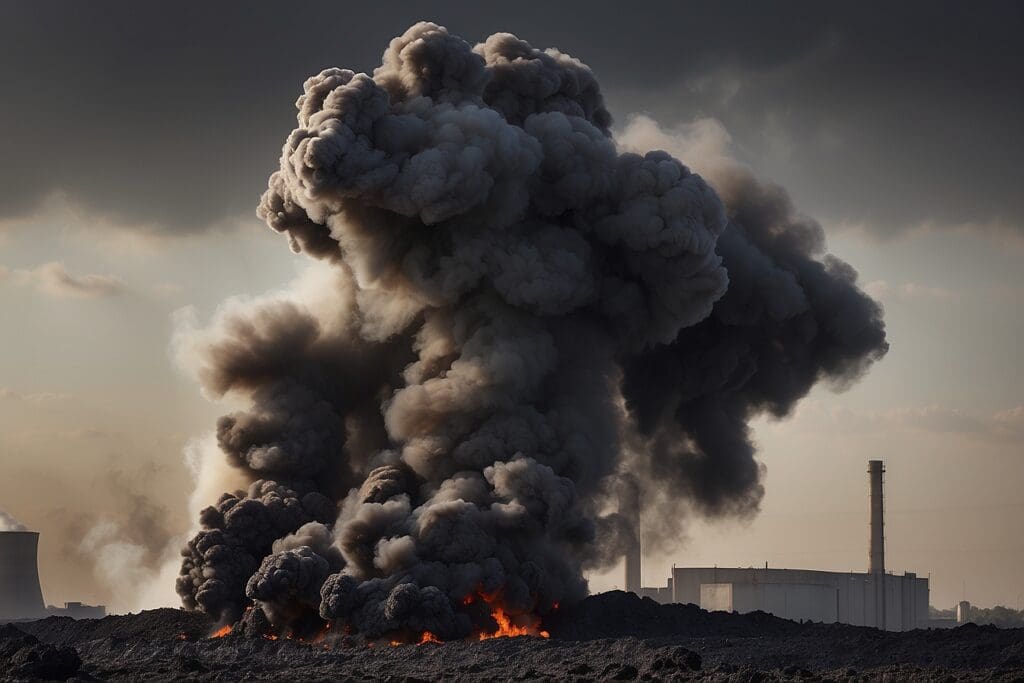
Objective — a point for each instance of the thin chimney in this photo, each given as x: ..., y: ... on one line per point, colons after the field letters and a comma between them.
x: 876, y: 553
x: 876, y: 559
x: 629, y: 507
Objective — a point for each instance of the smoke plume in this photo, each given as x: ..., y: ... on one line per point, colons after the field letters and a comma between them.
x: 510, y: 311
x: 9, y: 523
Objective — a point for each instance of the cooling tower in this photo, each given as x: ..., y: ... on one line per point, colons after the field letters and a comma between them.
x: 629, y: 507
x: 20, y: 594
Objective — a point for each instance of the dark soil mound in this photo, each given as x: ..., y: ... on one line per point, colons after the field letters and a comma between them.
x: 23, y: 656
x: 616, y: 614
x: 610, y: 637
x: 157, y: 624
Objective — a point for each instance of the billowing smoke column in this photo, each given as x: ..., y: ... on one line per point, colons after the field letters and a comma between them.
x: 514, y: 312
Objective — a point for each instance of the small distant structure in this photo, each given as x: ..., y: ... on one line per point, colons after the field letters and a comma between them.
x: 21, y: 597
x: 78, y: 610
x: 873, y: 598
x: 963, y: 612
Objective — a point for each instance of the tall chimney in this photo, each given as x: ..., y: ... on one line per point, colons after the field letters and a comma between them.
x: 629, y: 507
x: 20, y: 594
x: 876, y: 553
x: 876, y: 558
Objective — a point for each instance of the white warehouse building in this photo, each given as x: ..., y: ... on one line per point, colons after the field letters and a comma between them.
x: 872, y: 598
x: 804, y: 594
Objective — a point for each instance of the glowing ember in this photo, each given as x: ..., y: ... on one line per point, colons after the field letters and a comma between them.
x: 221, y: 632
x: 322, y: 634
x: 429, y: 637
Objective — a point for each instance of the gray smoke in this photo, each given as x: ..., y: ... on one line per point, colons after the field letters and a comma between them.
x: 787, y: 321
x: 516, y: 312
x: 9, y: 523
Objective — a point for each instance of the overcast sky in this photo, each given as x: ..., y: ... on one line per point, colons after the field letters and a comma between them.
x: 136, y: 138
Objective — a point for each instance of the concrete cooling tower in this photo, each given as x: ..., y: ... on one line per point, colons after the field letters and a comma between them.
x: 20, y: 594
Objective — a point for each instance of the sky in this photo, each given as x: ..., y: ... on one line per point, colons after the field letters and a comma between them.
x: 136, y: 140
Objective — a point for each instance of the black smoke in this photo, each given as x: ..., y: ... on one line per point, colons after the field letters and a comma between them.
x: 515, y: 312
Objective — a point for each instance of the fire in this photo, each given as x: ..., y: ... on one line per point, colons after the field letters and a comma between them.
x: 507, y: 629
x: 221, y: 632
x: 429, y: 637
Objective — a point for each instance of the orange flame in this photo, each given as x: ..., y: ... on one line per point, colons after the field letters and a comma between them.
x: 221, y: 632
x: 429, y: 637
x: 507, y: 629
x: 509, y: 626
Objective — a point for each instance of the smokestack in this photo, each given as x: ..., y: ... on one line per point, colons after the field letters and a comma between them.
x: 629, y: 507
x: 20, y: 594
x: 876, y: 559
x: 876, y: 553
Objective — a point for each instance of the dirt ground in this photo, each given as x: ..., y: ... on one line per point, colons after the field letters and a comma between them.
x: 612, y: 636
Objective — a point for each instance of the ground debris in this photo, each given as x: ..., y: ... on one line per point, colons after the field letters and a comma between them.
x: 613, y: 636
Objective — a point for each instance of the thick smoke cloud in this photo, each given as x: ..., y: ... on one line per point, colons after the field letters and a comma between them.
x: 516, y: 312
x: 787, y: 321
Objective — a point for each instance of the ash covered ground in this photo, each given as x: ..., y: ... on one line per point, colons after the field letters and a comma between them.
x: 611, y: 636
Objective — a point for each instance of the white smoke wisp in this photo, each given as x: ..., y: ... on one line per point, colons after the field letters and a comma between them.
x: 509, y: 308
x: 119, y: 565
x: 9, y: 523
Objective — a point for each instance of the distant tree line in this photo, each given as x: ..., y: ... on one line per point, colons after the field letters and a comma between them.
x: 1004, y: 617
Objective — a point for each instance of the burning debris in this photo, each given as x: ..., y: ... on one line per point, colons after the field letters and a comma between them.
x: 507, y: 311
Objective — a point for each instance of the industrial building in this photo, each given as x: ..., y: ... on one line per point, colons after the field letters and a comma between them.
x: 873, y: 598
x: 21, y: 597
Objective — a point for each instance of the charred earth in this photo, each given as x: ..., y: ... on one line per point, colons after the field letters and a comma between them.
x: 611, y: 636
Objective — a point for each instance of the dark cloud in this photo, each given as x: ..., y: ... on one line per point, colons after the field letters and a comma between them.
x: 517, y: 311
x: 167, y: 118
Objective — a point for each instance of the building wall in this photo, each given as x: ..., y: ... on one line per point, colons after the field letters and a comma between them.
x: 849, y: 598
x: 716, y: 597
x: 661, y: 594
x: 796, y: 601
